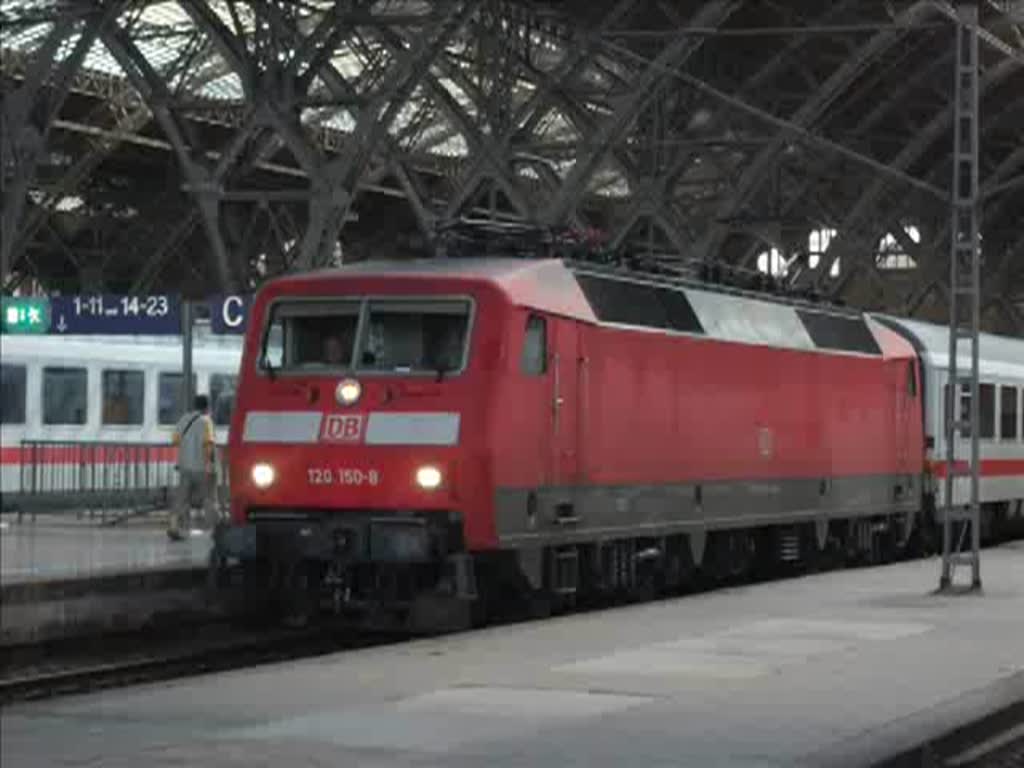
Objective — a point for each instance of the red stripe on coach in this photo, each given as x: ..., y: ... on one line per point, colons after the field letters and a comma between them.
x: 67, y: 454
x: 989, y: 467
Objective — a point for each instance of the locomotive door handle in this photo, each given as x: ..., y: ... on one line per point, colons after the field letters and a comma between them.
x: 557, y: 399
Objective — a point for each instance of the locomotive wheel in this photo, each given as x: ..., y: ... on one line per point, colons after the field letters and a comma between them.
x: 434, y: 614
x: 539, y: 605
x: 732, y: 556
x: 922, y: 542
x: 829, y: 558
x: 819, y: 560
x: 246, y: 595
x: 890, y: 543
x: 883, y: 546
x: 679, y: 568
x: 299, y: 592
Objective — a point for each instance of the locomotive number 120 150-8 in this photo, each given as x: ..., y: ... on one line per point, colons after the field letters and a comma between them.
x: 342, y: 476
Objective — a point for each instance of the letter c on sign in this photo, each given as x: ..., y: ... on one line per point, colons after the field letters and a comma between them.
x: 232, y: 319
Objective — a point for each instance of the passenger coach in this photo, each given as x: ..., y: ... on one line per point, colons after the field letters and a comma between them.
x: 85, y: 414
x: 418, y: 434
x: 1001, y: 421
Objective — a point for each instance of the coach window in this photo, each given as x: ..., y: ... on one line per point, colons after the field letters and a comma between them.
x: 169, y: 405
x: 222, y: 398
x: 535, y: 347
x: 123, y: 397
x: 65, y: 396
x: 987, y: 411
x: 965, y: 407
x: 12, y: 394
x: 1009, y: 413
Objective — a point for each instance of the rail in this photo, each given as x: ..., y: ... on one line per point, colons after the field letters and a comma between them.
x: 108, y: 480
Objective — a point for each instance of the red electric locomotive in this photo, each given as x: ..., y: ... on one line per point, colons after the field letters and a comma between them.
x: 411, y: 437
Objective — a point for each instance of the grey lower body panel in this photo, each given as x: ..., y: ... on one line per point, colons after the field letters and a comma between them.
x: 552, y: 515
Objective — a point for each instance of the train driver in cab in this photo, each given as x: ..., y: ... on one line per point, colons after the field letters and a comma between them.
x: 337, y: 347
x: 334, y: 351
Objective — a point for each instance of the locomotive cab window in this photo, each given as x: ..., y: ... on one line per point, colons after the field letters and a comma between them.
x: 309, y: 335
x: 400, y: 335
x: 65, y: 396
x: 12, y: 394
x: 534, y: 361
x: 123, y: 396
x: 415, y: 335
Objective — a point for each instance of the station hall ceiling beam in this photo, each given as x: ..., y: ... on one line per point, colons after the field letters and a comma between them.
x: 811, y: 111
x: 335, y: 187
x: 642, y: 87
x: 28, y: 116
x: 197, y: 174
x: 911, y: 153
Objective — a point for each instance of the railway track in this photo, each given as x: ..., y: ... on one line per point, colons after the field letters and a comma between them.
x: 995, y: 741
x: 194, y: 646
x: 33, y: 673
x: 203, y: 645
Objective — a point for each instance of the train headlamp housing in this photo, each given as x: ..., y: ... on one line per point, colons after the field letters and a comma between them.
x: 263, y: 475
x: 429, y: 477
x: 348, y: 392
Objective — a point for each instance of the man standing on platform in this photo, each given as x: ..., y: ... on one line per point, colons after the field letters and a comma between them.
x: 193, y: 437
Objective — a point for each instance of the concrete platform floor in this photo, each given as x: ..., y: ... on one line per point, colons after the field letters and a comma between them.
x: 65, y: 547
x: 836, y: 669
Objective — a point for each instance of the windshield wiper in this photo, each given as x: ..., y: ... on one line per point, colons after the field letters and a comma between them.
x: 442, y: 369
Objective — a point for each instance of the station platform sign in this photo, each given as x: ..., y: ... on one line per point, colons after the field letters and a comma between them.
x: 117, y: 314
x: 229, y: 313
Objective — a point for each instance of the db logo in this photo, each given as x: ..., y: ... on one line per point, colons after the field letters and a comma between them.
x: 342, y: 428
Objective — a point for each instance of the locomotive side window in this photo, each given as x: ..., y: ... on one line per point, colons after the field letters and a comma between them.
x: 169, y: 404
x: 404, y: 335
x: 123, y: 397
x: 1009, y: 413
x: 222, y: 398
x: 534, y: 361
x: 310, y: 335
x: 911, y: 379
x: 12, y: 394
x: 65, y: 396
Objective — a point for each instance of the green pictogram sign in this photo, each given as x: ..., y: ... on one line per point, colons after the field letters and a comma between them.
x: 25, y: 315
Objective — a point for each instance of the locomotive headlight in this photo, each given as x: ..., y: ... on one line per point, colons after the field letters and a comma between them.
x: 348, y: 392
x: 428, y: 478
x: 263, y: 475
